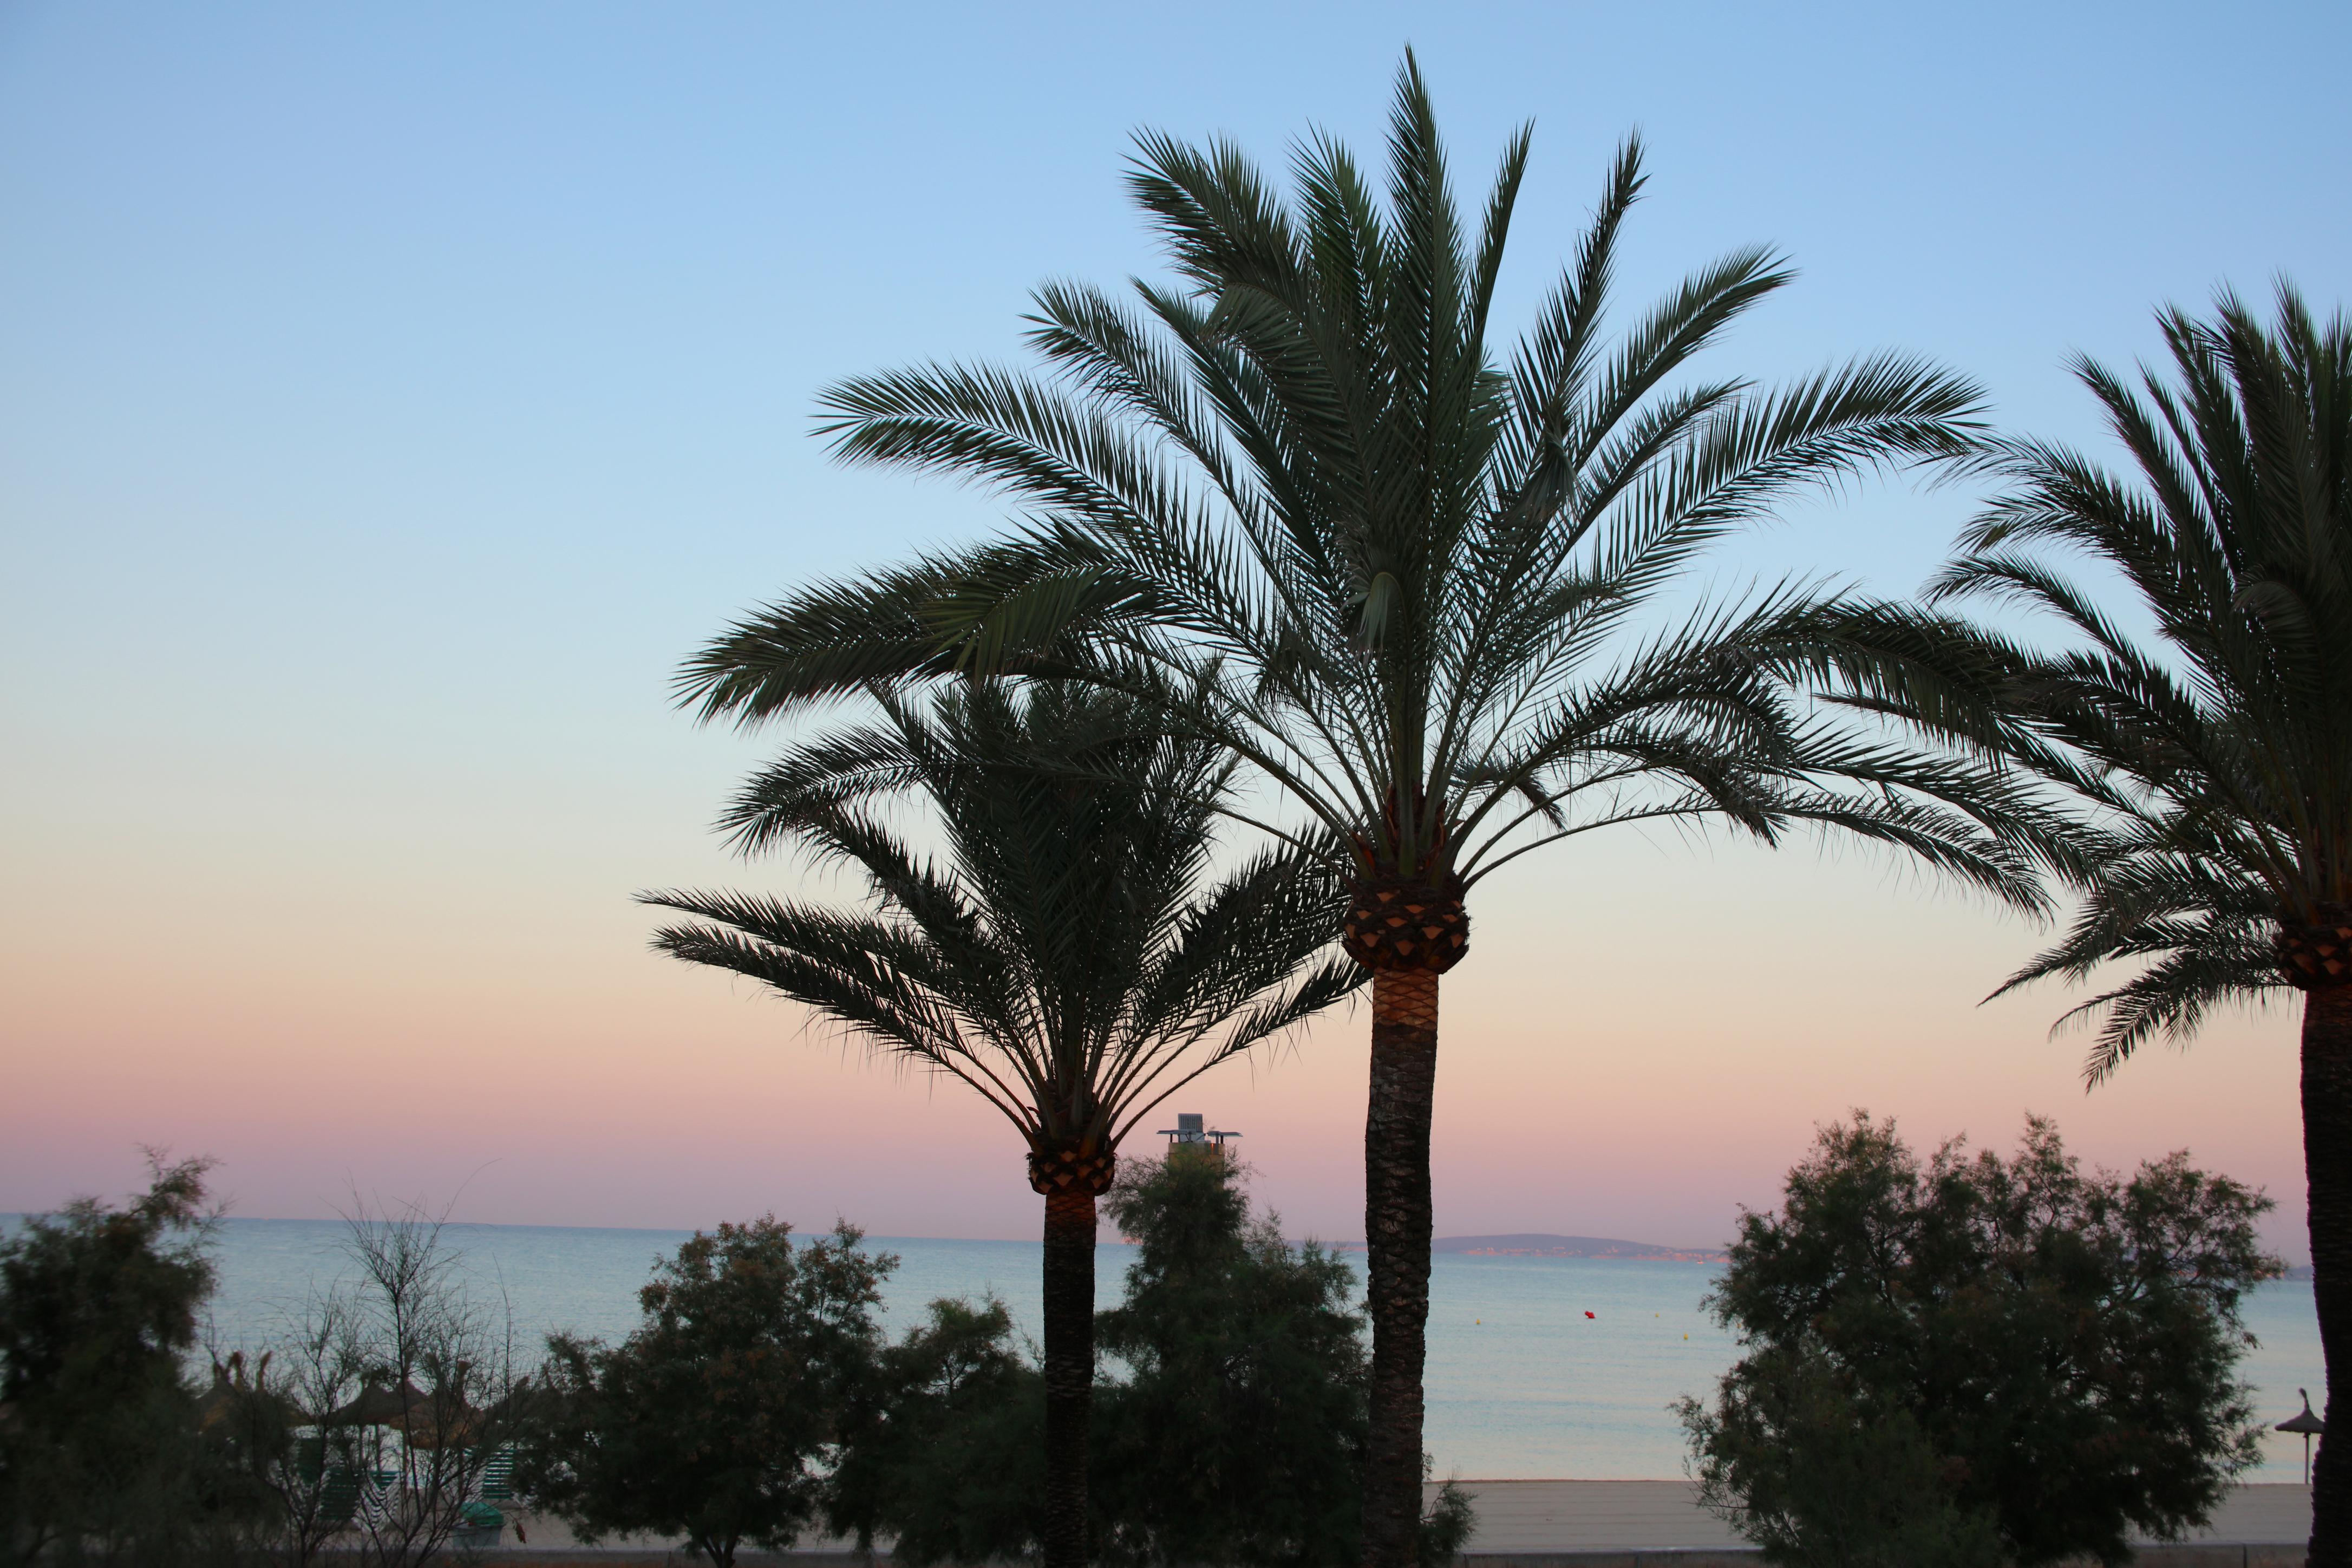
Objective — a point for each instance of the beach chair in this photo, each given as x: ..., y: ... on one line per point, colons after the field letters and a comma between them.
x: 497, y: 1476
x: 479, y: 1525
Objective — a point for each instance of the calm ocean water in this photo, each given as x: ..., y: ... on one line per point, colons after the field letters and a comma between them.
x: 1521, y: 1382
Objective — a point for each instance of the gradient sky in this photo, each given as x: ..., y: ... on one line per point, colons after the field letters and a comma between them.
x: 389, y: 397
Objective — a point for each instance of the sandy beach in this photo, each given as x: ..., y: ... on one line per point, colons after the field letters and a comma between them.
x: 1580, y: 1524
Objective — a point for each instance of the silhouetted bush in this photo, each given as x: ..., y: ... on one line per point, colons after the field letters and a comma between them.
x: 950, y: 1458
x: 716, y: 1419
x: 100, y: 1459
x: 1237, y: 1434
x: 1229, y: 1427
x: 1979, y: 1361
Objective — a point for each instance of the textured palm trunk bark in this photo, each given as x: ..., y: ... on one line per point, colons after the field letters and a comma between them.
x: 2327, y: 1167
x: 1069, y: 1281
x: 1396, y: 1236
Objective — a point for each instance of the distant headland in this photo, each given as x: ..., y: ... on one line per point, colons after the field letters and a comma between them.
x: 1536, y: 1245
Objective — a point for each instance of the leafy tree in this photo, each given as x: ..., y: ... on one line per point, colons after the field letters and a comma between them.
x: 2012, y: 1358
x: 1239, y: 1434
x: 1061, y: 960
x: 712, y: 1420
x: 949, y: 1458
x: 1818, y: 1472
x: 98, y: 1308
x: 1299, y: 500
x: 1235, y: 1435
x: 2218, y: 753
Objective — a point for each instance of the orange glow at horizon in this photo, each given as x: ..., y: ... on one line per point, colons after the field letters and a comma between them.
x: 1643, y: 1040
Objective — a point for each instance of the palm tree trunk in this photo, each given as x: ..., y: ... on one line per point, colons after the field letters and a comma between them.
x: 2327, y: 1167
x: 1396, y: 1237
x: 1070, y: 1372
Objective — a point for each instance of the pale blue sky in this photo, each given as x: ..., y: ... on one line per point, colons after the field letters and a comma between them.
x: 391, y: 395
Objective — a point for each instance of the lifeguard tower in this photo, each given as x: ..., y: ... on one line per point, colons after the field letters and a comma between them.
x: 1193, y: 1132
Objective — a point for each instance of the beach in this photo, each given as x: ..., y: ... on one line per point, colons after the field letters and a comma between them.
x: 1583, y: 1524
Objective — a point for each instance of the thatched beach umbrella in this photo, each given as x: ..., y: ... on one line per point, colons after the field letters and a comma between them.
x: 2308, y: 1424
x: 437, y: 1420
x: 437, y: 1428
x: 380, y: 1407
x: 235, y: 1395
x: 228, y: 1384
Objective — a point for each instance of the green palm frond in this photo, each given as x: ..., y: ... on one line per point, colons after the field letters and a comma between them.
x: 1400, y: 570
x: 2218, y: 755
x: 1066, y: 953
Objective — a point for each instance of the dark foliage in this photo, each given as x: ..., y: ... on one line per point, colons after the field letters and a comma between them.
x: 2218, y: 753
x: 950, y: 1460
x: 1980, y: 1360
x: 109, y: 1454
x: 1235, y: 1436
x: 1068, y: 958
x: 2214, y: 747
x: 1822, y: 1474
x: 100, y: 1453
x: 714, y: 1420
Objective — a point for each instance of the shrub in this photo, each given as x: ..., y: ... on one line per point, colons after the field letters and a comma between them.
x: 950, y: 1458
x: 98, y: 1308
x: 1981, y: 1360
x: 717, y: 1420
x: 1237, y: 1435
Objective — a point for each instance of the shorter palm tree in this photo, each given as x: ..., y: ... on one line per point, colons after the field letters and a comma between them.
x: 1059, y: 957
x: 2218, y: 756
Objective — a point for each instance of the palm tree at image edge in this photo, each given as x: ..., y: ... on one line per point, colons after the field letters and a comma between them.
x: 2218, y: 759
x: 1291, y: 501
x: 1057, y: 958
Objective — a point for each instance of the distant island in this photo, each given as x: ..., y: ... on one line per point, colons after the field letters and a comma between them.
x: 1534, y: 1244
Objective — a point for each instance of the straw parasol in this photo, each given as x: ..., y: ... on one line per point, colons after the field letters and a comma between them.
x: 235, y: 1395
x: 424, y: 1420
x: 443, y: 1418
x: 2308, y: 1424
x: 380, y: 1407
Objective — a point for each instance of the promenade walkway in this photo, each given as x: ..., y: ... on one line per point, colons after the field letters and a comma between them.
x: 1581, y: 1524
x: 1539, y: 1518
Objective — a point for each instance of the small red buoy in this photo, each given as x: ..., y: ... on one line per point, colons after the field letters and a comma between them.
x: 1588, y: 1314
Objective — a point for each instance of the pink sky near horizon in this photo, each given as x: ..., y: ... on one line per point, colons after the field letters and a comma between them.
x: 390, y: 398
x: 1640, y: 1065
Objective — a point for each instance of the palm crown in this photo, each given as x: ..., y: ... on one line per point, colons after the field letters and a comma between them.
x: 1400, y: 578
x: 1056, y: 957
x: 2220, y: 754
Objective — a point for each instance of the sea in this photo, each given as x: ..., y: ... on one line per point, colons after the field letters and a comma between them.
x: 1539, y: 1367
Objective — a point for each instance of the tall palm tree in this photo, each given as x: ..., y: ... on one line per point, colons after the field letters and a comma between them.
x: 2219, y: 753
x: 1060, y: 958
x: 1414, y: 586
